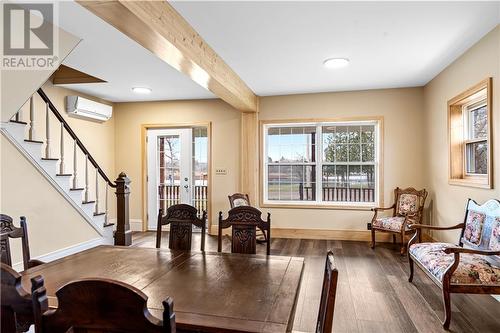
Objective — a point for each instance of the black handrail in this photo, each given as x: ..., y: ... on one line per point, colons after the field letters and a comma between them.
x: 56, y: 113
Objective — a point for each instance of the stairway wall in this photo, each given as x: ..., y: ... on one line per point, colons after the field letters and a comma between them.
x: 53, y: 224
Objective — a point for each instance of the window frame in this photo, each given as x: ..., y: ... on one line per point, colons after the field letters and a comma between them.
x: 460, y: 135
x: 377, y: 122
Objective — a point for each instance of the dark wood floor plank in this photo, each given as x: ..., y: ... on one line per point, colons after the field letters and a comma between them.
x: 373, y: 293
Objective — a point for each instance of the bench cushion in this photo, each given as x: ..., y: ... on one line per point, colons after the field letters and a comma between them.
x: 473, y: 269
x: 392, y: 223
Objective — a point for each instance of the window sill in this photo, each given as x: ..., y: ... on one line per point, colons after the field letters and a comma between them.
x: 478, y: 183
x: 364, y: 207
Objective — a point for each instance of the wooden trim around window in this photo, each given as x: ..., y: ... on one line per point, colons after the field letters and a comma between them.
x: 144, y: 184
x: 457, y: 169
x: 358, y: 207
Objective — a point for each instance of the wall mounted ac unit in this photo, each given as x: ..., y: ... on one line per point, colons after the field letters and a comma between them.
x: 85, y: 108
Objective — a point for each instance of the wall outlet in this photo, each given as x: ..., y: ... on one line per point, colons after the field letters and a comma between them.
x: 220, y: 171
x: 369, y: 226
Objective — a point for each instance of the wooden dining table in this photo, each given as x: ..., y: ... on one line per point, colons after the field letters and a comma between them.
x: 212, y: 292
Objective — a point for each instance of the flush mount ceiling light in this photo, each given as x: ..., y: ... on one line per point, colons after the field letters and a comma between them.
x: 336, y: 62
x: 142, y: 90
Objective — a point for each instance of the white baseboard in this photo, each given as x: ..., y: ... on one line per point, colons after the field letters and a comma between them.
x: 51, y: 256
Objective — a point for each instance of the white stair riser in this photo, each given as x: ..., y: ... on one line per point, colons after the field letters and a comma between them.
x: 64, y: 182
x: 49, y: 166
x: 89, y: 210
x: 16, y: 130
x: 33, y: 149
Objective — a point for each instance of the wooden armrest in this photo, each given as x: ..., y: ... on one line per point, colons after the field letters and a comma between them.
x: 34, y: 263
x: 423, y: 226
x: 382, y: 208
x: 449, y: 250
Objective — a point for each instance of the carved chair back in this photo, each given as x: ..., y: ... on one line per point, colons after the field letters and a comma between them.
x: 410, y: 201
x: 7, y: 231
x: 239, y: 199
x: 327, y: 303
x: 244, y: 221
x: 181, y: 219
x: 481, y: 230
x: 99, y: 306
x: 17, y: 305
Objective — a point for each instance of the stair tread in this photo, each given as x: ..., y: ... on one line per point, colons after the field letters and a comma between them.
x: 64, y: 174
x: 99, y: 214
x: 88, y: 202
x: 49, y: 159
x: 77, y: 189
x: 19, y: 122
x: 33, y: 141
x: 109, y: 224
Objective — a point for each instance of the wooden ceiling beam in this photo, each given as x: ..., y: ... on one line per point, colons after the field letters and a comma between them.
x: 158, y: 27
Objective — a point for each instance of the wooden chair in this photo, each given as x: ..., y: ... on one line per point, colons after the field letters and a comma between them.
x: 242, y: 199
x: 327, y: 303
x: 244, y: 221
x: 181, y: 219
x: 7, y: 231
x: 472, y: 266
x: 99, y: 306
x: 17, y: 305
x: 408, y: 208
x: 238, y: 199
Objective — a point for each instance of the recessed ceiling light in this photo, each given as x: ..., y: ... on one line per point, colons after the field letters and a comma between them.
x: 336, y: 62
x: 142, y: 90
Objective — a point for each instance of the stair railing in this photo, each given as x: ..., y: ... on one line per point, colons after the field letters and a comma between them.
x: 121, y: 185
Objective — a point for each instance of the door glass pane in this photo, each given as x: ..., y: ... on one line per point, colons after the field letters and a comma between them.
x: 200, y: 169
x: 169, y: 171
x: 477, y: 157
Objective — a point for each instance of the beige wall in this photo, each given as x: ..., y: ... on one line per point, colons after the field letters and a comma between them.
x: 447, y: 202
x: 225, y: 143
x: 402, y: 111
x: 53, y: 223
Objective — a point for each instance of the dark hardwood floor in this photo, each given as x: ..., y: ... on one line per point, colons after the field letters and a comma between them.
x: 373, y: 294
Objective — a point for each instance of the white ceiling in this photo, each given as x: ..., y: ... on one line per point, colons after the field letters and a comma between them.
x: 108, y: 54
x: 279, y: 47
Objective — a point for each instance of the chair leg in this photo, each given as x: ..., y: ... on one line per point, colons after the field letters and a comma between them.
x: 447, y: 308
x: 393, y: 238
x: 403, y: 248
x: 410, y: 261
x: 373, y: 239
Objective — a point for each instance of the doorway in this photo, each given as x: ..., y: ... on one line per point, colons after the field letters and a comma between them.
x: 177, y: 169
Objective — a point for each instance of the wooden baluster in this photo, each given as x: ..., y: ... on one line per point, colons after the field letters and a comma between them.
x: 61, y: 165
x: 75, y: 164
x: 31, y: 133
x: 86, y: 178
x: 96, y: 191
x: 47, y: 131
x: 106, y: 205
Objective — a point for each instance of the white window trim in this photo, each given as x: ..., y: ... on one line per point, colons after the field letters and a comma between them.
x: 319, y: 163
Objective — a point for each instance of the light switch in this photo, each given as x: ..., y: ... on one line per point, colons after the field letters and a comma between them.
x: 220, y: 171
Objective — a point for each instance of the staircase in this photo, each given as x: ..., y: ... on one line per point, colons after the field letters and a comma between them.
x: 90, y: 199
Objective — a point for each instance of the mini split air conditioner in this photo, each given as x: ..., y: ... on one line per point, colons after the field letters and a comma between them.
x: 85, y: 108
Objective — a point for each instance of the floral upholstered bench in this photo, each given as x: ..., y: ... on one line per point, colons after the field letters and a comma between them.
x: 472, y: 266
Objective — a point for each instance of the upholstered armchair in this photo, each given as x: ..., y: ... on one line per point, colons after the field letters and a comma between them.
x: 407, y: 208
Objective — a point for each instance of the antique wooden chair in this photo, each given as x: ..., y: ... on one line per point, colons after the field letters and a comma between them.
x: 8, y: 230
x: 244, y: 221
x: 242, y: 199
x: 17, y: 305
x: 238, y: 199
x: 181, y: 219
x: 408, y: 208
x: 472, y: 266
x: 327, y: 303
x: 99, y: 306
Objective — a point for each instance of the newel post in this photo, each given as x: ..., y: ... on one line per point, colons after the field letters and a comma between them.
x: 123, y: 235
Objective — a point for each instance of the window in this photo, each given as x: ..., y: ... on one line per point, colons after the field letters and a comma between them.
x: 469, y: 136
x: 329, y: 163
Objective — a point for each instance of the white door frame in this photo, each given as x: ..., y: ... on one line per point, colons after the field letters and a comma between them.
x: 185, y: 137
